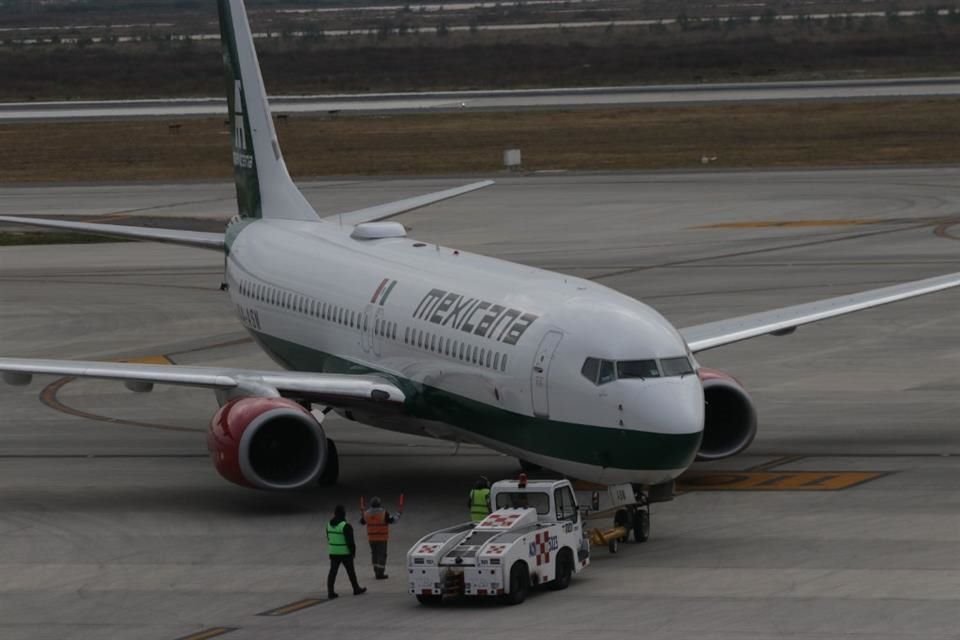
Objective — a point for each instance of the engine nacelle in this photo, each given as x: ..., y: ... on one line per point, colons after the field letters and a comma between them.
x: 730, y: 421
x: 267, y: 443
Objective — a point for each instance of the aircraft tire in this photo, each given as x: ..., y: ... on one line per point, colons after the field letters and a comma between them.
x: 641, y: 525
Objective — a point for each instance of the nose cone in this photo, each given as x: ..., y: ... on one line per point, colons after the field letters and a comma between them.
x: 666, y: 405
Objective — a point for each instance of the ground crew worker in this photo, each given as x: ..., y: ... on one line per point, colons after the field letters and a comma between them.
x: 378, y: 521
x: 479, y: 501
x: 342, y: 550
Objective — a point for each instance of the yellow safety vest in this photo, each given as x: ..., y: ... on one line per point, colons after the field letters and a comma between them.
x: 336, y: 540
x: 478, y: 504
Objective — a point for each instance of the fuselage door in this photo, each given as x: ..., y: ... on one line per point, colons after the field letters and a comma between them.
x: 366, y: 328
x: 540, y: 374
x: 379, y: 328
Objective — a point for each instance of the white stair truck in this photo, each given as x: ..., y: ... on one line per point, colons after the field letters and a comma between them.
x: 533, y: 537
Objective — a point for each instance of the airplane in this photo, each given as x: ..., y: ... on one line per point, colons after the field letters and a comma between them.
x: 418, y: 338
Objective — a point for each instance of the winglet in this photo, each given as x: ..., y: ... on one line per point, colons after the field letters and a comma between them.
x: 264, y: 187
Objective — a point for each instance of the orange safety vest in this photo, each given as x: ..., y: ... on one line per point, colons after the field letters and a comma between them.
x: 377, y: 528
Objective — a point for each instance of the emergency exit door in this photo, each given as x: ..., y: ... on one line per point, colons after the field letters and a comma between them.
x: 540, y: 376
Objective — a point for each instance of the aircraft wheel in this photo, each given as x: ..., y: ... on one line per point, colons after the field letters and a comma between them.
x: 641, y: 525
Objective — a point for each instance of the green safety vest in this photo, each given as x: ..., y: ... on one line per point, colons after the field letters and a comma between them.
x: 478, y: 504
x: 336, y: 540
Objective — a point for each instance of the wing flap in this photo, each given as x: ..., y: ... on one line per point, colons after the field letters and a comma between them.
x: 333, y: 389
x: 782, y: 321
x: 390, y: 209
x: 200, y: 239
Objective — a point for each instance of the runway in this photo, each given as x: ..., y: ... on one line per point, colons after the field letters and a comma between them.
x: 383, y: 103
x: 115, y: 525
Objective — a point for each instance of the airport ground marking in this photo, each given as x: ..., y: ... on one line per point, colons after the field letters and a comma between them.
x: 212, y: 632
x: 776, y: 462
x: 293, y: 607
x: 774, y: 480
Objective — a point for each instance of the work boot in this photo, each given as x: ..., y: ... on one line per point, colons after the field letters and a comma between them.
x: 360, y: 591
x: 332, y: 595
x: 382, y: 576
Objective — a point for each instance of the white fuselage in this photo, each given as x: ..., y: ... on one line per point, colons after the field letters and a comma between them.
x: 491, y: 350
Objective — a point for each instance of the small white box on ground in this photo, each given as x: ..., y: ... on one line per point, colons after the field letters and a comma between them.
x: 511, y: 159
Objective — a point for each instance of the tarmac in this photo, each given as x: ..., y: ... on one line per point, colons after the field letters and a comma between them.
x: 841, y: 521
x: 498, y: 100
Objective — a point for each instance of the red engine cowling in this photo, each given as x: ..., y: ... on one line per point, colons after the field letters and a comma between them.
x: 267, y: 443
x: 730, y: 421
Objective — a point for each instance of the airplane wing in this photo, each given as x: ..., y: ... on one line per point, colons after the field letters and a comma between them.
x: 785, y: 320
x: 324, y: 388
x: 390, y: 209
x: 190, y: 238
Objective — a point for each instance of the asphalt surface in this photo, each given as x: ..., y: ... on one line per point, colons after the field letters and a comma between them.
x: 496, y: 100
x: 115, y: 525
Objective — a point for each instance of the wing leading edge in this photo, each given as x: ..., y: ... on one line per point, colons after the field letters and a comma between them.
x: 200, y: 239
x: 784, y: 320
x: 324, y: 388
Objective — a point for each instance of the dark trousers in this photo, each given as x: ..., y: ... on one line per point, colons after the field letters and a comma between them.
x: 347, y: 562
x: 378, y: 557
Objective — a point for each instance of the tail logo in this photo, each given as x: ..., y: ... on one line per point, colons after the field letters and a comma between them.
x: 242, y: 159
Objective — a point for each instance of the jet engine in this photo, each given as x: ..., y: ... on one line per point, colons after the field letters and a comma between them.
x: 730, y: 421
x: 267, y: 443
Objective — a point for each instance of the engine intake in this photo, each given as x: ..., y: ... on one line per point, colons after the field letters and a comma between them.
x: 267, y: 443
x: 730, y: 421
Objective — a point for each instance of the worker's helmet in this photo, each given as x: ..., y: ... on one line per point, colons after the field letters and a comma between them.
x: 375, y: 502
x: 483, y: 483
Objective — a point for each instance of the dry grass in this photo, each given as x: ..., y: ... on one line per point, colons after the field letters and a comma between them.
x: 764, y: 135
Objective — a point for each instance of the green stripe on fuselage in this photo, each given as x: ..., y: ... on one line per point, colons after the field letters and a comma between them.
x: 584, y: 444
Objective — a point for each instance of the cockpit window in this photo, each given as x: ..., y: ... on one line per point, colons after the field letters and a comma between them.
x: 676, y: 366
x: 590, y: 368
x: 607, y: 372
x: 637, y: 369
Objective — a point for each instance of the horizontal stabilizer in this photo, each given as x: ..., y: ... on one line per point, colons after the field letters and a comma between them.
x: 189, y: 238
x: 390, y: 209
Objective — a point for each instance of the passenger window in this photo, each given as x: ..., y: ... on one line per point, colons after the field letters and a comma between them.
x: 394, y: 332
x: 433, y: 343
x: 420, y: 338
x: 406, y: 335
x: 488, y: 359
x: 590, y: 368
x: 607, y: 372
x: 503, y: 363
x: 474, y: 359
x: 496, y: 360
x: 461, y: 351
